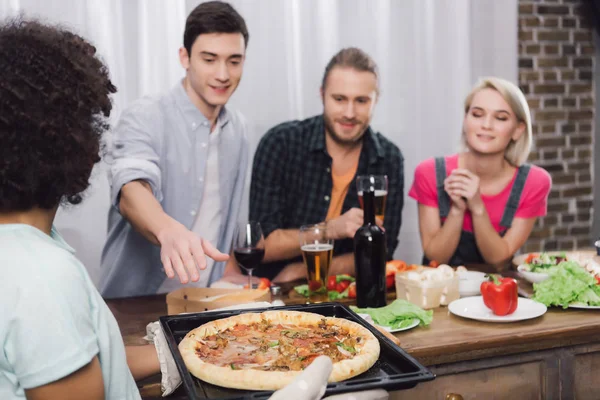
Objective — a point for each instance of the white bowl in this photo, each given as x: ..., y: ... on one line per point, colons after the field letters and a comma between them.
x: 533, y: 277
x: 469, y: 282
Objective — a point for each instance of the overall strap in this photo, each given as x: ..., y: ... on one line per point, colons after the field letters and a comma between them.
x: 515, y: 196
x: 440, y: 176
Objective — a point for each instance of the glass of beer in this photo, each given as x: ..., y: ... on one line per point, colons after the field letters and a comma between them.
x: 377, y: 184
x: 317, y: 251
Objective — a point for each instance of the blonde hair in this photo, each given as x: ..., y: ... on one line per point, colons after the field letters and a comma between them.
x: 516, y: 152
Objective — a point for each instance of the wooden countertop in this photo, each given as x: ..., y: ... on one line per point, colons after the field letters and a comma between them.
x: 448, y: 339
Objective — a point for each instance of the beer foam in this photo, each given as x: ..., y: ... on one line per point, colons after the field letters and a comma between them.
x: 378, y: 193
x: 317, y: 247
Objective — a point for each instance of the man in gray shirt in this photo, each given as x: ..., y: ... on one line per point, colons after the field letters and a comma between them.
x: 177, y: 167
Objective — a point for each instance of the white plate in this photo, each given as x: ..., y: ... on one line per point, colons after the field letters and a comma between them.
x: 368, y: 318
x: 414, y: 324
x: 473, y: 308
x: 583, y: 306
x: 533, y: 277
x: 578, y: 255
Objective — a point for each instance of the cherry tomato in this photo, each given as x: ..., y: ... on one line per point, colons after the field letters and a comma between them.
x: 389, y: 281
x: 331, y: 283
x: 264, y: 283
x: 313, y: 286
x: 340, y: 287
x: 352, y: 290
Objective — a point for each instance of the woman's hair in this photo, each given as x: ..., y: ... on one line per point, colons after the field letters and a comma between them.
x: 517, y: 151
x: 213, y: 17
x: 54, y: 97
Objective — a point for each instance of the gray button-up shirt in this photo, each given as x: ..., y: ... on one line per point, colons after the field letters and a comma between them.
x: 162, y: 140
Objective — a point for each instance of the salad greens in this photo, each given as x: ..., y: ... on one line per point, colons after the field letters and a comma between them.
x: 398, y: 314
x: 544, y: 262
x: 333, y: 295
x: 570, y: 283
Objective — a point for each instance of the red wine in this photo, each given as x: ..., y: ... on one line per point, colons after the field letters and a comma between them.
x: 249, y: 257
x: 370, y: 256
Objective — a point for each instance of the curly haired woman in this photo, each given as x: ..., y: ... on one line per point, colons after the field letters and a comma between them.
x: 59, y: 339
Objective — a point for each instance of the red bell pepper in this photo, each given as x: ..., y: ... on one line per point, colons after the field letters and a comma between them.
x: 500, y: 294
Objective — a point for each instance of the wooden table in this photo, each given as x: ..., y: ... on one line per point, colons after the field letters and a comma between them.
x: 556, y: 356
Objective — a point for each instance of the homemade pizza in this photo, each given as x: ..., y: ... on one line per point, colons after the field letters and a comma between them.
x: 266, y: 351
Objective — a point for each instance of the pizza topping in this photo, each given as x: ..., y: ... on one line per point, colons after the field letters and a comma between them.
x: 277, y: 347
x: 344, y: 351
x: 348, y: 349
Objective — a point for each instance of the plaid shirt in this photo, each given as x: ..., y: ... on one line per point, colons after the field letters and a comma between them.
x: 291, y: 182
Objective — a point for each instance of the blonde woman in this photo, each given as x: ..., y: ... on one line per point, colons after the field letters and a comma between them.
x: 479, y: 206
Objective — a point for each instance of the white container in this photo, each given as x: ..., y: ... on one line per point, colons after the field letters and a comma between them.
x: 469, y: 283
x: 533, y: 277
x: 426, y: 293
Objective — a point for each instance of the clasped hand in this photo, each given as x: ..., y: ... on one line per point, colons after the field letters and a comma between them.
x: 463, y: 188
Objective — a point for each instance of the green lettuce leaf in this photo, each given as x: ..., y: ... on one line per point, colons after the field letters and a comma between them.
x: 335, y: 295
x: 302, y: 289
x: 398, y: 314
x: 569, y: 284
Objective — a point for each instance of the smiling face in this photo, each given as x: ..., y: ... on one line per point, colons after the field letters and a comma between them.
x: 490, y: 123
x: 214, y: 67
x: 349, y: 97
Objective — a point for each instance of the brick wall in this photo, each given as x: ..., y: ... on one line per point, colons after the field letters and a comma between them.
x: 556, y: 64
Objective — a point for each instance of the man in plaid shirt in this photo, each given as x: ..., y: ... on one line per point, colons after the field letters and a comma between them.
x: 304, y: 172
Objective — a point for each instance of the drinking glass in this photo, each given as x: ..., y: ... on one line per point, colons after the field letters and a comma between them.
x: 317, y: 252
x: 249, y: 247
x: 377, y: 184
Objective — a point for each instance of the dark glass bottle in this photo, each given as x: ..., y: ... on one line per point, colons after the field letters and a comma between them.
x: 370, y: 255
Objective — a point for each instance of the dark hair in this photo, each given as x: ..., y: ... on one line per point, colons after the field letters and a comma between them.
x: 354, y: 58
x: 54, y: 97
x: 213, y: 17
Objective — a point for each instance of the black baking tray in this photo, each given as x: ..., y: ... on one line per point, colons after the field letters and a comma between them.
x: 395, y: 369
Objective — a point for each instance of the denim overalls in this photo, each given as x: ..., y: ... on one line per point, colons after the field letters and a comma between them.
x: 467, y: 251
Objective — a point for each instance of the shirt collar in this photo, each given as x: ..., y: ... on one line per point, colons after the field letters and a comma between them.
x: 371, y: 144
x: 59, y: 241
x: 191, y: 114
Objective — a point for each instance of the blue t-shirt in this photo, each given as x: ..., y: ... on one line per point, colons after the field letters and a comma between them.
x: 53, y: 321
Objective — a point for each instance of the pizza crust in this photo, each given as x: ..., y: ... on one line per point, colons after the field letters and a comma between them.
x: 251, y: 379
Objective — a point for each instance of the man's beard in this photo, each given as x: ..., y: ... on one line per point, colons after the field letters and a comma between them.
x: 330, y: 129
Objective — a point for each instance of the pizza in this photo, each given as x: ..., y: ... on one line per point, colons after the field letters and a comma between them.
x: 266, y: 351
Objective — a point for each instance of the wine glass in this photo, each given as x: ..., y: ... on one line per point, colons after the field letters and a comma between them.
x: 249, y: 247
x: 377, y: 184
